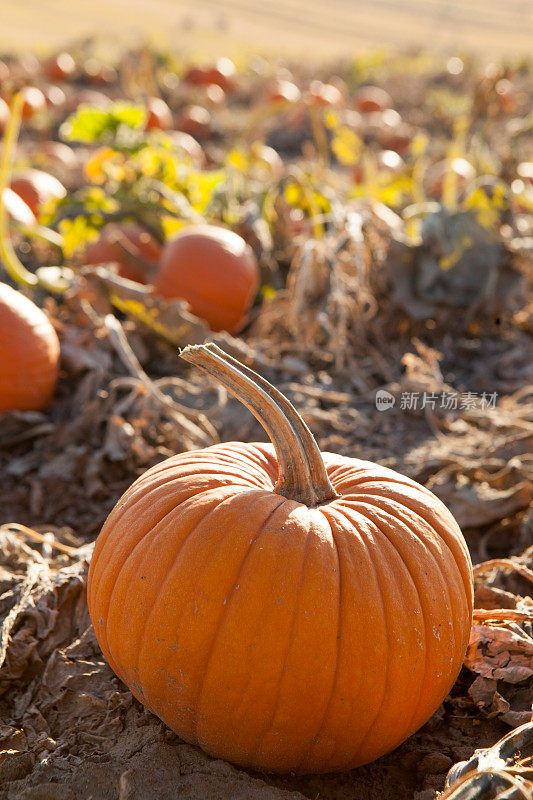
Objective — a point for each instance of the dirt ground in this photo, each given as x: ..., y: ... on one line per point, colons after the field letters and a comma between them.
x: 70, y: 728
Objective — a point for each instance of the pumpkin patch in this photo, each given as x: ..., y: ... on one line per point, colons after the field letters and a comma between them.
x: 266, y: 327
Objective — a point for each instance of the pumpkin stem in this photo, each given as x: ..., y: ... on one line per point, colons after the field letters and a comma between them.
x: 302, y: 474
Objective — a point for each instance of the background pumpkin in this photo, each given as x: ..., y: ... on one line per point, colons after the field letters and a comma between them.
x: 284, y: 609
x: 133, y: 249
x: 34, y: 103
x: 37, y: 187
x: 214, y: 270
x: 159, y: 115
x: 29, y: 353
x: 60, y: 67
x: 5, y: 114
x: 17, y: 209
x: 222, y: 73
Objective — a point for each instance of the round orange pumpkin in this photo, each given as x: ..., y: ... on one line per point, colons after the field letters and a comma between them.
x: 222, y: 73
x: 55, y: 97
x: 5, y: 114
x: 196, y: 121
x: 37, y: 187
x: 29, y: 353
x: 34, y: 103
x: 370, y: 99
x: 60, y: 67
x: 17, y: 209
x: 285, y: 609
x: 282, y: 91
x: 159, y: 115
x: 321, y: 94
x: 132, y: 248
x: 214, y: 270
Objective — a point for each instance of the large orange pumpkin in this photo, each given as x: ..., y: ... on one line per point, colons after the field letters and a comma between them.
x: 284, y: 609
x: 214, y: 270
x: 29, y: 353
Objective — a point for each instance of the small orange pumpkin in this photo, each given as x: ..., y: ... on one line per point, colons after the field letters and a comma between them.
x: 37, y: 187
x: 60, y: 67
x: 214, y: 270
x: 159, y: 115
x: 196, y: 121
x: 34, y: 103
x: 284, y: 609
x: 222, y: 73
x: 5, y: 114
x: 282, y: 91
x: 17, y: 209
x: 29, y: 353
x: 321, y: 94
x: 132, y: 248
x: 370, y: 99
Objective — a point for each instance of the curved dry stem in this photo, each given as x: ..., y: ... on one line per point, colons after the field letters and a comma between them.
x: 501, y: 615
x: 179, y: 414
x: 503, y: 563
x: 316, y: 466
x: 302, y: 474
x: 41, y: 538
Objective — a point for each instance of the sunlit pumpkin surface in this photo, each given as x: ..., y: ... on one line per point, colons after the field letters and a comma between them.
x: 29, y: 353
x: 214, y: 270
x: 278, y: 636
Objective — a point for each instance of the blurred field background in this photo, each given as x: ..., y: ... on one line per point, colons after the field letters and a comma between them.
x: 291, y: 27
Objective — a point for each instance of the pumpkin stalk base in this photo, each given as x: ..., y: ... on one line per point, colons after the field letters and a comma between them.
x: 302, y: 473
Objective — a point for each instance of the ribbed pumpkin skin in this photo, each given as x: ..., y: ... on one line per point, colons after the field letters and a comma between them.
x: 29, y: 353
x: 214, y: 270
x: 275, y: 636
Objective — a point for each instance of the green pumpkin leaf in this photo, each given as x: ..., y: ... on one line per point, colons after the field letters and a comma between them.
x: 91, y: 124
